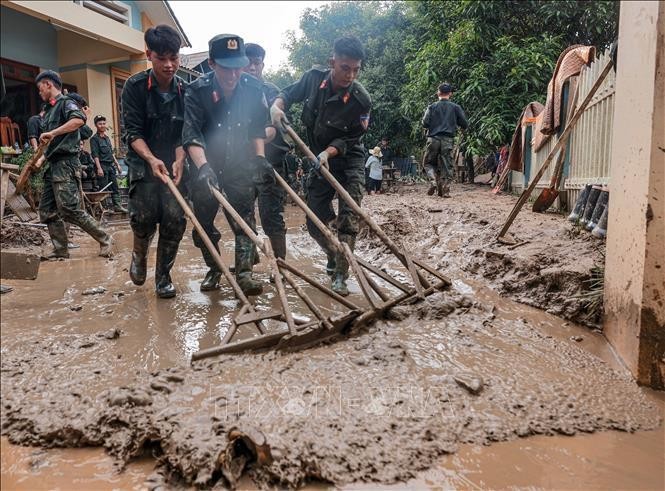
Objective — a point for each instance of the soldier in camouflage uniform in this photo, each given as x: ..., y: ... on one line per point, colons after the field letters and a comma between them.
x: 335, y: 114
x: 153, y: 108
x: 226, y: 115
x: 60, y: 198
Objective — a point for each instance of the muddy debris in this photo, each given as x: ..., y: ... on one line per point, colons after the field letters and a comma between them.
x: 98, y: 290
x: 17, y: 234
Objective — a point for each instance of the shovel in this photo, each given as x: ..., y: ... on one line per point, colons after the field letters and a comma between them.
x: 549, y: 194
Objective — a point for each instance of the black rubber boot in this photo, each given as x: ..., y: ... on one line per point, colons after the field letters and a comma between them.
x: 432, y: 188
x: 594, y: 194
x: 139, y: 265
x: 167, y: 250
x: 278, y: 244
x: 331, y: 265
x: 244, y: 262
x: 211, y: 280
x: 117, y: 205
x: 579, y: 204
x: 341, y: 272
x: 600, y: 231
x: 58, y: 234
x: 598, y: 210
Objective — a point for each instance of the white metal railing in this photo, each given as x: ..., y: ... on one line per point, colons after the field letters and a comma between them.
x: 590, y: 142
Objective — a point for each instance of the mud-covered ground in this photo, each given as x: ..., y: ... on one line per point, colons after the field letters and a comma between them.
x: 550, y: 271
x: 110, y: 369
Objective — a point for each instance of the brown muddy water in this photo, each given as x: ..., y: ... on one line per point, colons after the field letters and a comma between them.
x: 468, y: 389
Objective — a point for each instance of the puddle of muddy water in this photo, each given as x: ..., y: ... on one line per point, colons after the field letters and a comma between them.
x: 524, y: 356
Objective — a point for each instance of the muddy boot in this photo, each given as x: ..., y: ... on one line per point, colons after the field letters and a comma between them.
x: 432, y: 188
x: 331, y: 265
x: 139, y: 265
x: 244, y: 262
x: 591, y: 201
x: 58, y: 234
x: 95, y: 230
x: 341, y: 272
x: 278, y: 244
x: 576, y: 214
x: 339, y: 284
x: 117, y: 205
x: 167, y: 250
x: 600, y: 231
x: 211, y: 280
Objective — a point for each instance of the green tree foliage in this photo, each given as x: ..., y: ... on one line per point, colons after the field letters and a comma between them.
x: 384, y: 30
x: 500, y: 55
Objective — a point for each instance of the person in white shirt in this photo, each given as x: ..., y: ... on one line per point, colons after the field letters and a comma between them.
x: 375, y: 170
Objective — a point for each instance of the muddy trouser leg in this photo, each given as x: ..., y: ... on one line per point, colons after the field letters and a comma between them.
x: 172, y: 226
x: 240, y: 193
x: 144, y: 211
x: 271, y: 199
x: 205, y: 210
x: 351, y: 176
x: 68, y: 200
x: 447, y: 170
x: 48, y: 214
x: 319, y: 196
x: 432, y: 150
x: 115, y: 191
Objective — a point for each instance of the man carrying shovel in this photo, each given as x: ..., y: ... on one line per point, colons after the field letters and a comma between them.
x: 336, y: 116
x: 153, y: 110
x: 226, y: 115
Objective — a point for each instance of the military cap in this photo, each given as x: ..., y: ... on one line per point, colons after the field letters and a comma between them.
x: 49, y: 75
x: 228, y: 50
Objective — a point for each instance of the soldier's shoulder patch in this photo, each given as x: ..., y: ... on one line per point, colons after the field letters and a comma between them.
x: 70, y: 105
x: 364, y: 121
x: 361, y: 94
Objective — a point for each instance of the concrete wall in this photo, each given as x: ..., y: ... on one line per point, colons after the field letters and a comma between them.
x: 28, y: 40
x: 635, y: 261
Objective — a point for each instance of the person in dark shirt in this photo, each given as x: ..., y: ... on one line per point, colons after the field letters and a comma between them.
x: 60, y: 200
x: 336, y: 115
x: 387, y: 152
x: 101, y: 150
x: 226, y: 115
x: 271, y: 196
x: 153, y: 109
x: 35, y: 124
x: 88, y: 169
x: 441, y: 121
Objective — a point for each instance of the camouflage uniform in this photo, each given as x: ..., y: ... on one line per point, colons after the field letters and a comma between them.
x: 61, y: 198
x: 157, y: 119
x: 338, y: 120
x: 225, y: 129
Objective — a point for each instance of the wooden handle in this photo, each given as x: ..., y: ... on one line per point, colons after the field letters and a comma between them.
x: 29, y: 168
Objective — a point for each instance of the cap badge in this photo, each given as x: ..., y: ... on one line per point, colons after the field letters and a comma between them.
x: 232, y: 44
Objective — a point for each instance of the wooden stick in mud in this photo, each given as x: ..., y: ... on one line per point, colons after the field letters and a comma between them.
x: 558, y: 146
x: 317, y: 285
x: 208, y: 243
x: 281, y: 291
x: 308, y: 301
x: 344, y: 195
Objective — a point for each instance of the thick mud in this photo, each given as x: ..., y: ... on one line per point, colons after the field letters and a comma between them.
x: 383, y: 406
x: 550, y: 271
x: 18, y: 235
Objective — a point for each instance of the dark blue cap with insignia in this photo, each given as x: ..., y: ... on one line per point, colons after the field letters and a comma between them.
x: 49, y: 75
x: 228, y: 50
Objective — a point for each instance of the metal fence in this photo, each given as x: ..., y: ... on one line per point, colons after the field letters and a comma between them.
x: 589, y: 149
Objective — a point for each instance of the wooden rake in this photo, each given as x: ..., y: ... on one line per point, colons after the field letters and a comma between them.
x: 303, y: 333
